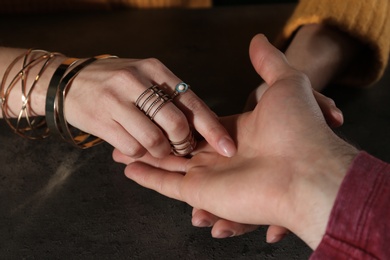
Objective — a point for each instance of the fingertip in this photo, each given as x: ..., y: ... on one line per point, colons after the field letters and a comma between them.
x: 117, y: 156
x: 276, y: 234
x: 201, y: 218
x: 254, y: 44
x: 223, y: 233
x: 339, y: 118
x: 217, y: 137
x: 275, y: 238
x: 120, y: 157
x: 267, y: 60
x: 130, y: 169
x: 227, y: 146
x: 259, y: 37
x: 262, y: 37
x: 199, y: 222
x: 135, y: 170
x: 194, y: 210
x: 335, y: 117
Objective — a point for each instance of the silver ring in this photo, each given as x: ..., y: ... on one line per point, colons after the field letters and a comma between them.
x: 180, y: 88
x: 184, y: 147
x: 148, y: 103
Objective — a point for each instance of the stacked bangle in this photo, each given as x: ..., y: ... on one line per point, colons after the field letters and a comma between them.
x: 55, y: 101
x: 34, y: 127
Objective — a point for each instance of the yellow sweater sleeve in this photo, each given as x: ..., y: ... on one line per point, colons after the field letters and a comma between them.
x: 366, y: 20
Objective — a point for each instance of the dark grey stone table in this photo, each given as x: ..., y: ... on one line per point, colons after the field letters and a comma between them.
x: 58, y: 202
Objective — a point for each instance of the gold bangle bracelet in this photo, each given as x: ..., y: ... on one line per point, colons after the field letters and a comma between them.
x: 82, y: 139
x: 51, y: 96
x: 55, y: 104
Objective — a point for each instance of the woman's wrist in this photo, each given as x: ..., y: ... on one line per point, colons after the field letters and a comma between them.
x: 38, y: 98
x: 10, y: 71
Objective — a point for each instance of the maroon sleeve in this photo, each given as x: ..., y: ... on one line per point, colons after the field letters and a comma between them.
x: 359, y: 224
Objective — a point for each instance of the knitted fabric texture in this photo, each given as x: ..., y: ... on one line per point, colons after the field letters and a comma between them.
x: 366, y: 20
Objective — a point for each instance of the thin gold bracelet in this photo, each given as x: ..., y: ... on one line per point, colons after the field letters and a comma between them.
x: 34, y: 127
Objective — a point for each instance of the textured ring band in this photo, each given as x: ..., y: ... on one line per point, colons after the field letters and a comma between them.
x: 165, y: 99
x: 155, y: 93
x: 184, y: 147
x: 151, y: 104
x: 142, y: 95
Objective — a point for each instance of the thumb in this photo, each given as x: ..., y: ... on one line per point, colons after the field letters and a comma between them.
x: 294, y: 91
x: 268, y: 61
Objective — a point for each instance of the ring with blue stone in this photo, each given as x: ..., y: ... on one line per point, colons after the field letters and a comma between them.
x: 180, y: 88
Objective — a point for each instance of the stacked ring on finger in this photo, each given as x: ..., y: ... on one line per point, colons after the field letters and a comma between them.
x: 184, y: 147
x: 152, y: 100
x: 187, y: 145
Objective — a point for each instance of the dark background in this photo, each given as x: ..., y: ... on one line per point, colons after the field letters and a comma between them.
x: 251, y: 2
x: 58, y: 202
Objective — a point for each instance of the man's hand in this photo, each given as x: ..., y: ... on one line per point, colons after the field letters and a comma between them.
x: 288, y: 167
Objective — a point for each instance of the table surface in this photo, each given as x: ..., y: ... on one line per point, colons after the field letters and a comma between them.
x: 61, y: 202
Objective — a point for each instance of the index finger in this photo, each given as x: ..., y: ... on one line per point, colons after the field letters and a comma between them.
x: 206, y: 123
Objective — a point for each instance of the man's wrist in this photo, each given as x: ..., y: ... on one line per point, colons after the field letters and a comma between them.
x: 318, y: 192
x: 322, y: 52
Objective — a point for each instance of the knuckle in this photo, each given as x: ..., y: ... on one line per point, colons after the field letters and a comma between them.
x: 194, y: 104
x: 176, y: 123
x: 125, y: 75
x: 121, y: 82
x: 135, y: 151
x: 330, y: 101
x: 299, y: 77
x: 153, y: 63
x: 304, y: 78
x: 152, y: 140
x: 107, y: 97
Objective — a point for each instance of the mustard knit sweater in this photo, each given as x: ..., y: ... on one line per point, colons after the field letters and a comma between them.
x: 366, y: 20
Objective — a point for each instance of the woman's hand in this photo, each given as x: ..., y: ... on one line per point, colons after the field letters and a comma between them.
x: 101, y: 100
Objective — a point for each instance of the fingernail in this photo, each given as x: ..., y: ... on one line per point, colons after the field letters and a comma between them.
x: 338, y: 113
x: 263, y: 36
x: 276, y: 238
x: 201, y: 223
x: 227, y: 146
x: 225, y: 234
